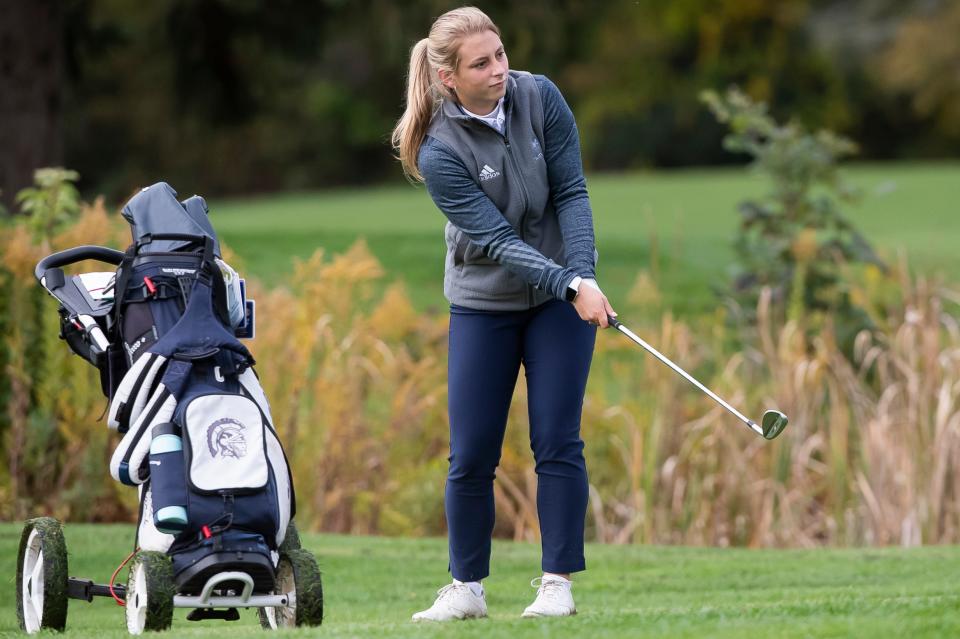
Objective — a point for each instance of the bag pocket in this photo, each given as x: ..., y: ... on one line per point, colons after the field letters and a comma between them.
x: 139, y: 330
x: 226, y: 447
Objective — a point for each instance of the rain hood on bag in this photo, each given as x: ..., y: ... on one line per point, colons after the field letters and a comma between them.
x: 155, y: 209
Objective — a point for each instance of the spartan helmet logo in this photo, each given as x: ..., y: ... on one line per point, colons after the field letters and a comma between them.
x: 225, y: 437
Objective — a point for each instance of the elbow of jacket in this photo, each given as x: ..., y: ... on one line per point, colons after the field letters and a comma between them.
x: 569, y: 196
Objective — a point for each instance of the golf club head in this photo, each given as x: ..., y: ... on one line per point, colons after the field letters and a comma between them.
x: 773, y: 423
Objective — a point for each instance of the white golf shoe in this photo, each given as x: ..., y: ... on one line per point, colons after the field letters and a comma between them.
x: 554, y: 598
x: 454, y: 601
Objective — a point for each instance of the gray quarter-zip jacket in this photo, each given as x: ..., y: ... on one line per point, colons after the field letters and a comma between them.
x: 520, y: 226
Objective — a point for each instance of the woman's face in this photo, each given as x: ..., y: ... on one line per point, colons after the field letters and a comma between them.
x: 481, y: 77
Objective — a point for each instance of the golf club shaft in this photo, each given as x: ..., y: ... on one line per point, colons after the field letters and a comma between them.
x: 650, y: 349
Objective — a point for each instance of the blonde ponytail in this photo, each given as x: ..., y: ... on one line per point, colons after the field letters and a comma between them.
x: 422, y: 100
x: 424, y: 90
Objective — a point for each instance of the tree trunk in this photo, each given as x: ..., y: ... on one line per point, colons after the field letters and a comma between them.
x: 31, y: 70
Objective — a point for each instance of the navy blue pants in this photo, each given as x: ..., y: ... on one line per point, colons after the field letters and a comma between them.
x: 486, y: 349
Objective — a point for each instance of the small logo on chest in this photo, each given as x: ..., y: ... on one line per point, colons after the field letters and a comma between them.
x: 488, y: 173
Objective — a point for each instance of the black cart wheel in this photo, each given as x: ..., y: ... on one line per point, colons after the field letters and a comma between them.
x: 150, y: 591
x: 291, y: 540
x: 42, y: 576
x: 299, y: 576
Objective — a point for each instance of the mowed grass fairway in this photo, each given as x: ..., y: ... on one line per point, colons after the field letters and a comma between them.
x: 678, y: 226
x: 372, y: 586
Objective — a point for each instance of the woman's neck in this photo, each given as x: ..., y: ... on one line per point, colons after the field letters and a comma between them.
x: 481, y: 108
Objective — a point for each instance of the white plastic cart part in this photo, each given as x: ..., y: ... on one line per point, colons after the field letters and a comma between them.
x: 96, y: 334
x: 219, y: 578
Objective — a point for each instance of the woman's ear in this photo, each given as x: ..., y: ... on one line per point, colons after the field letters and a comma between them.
x: 446, y: 78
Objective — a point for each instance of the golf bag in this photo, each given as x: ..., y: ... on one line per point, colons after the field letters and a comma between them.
x: 215, y: 486
x: 215, y: 530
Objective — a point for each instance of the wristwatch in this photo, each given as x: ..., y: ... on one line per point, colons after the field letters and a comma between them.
x: 573, y: 288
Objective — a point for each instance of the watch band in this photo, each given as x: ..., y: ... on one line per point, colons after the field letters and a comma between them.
x: 573, y: 288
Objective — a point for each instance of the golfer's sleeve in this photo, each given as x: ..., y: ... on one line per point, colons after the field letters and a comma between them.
x: 568, y: 188
x: 461, y: 199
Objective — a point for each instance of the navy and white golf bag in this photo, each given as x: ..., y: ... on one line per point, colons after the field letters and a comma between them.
x: 198, y: 441
x: 215, y: 530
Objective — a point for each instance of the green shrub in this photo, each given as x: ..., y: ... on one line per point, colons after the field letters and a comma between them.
x: 52, y: 203
x: 795, y: 240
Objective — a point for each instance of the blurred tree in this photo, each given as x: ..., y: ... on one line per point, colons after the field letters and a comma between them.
x: 931, y: 81
x: 194, y: 92
x: 249, y: 95
x: 795, y: 240
x: 31, y: 44
x: 648, y: 61
x: 889, y: 52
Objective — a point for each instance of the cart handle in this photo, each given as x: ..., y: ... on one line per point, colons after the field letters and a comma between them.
x: 77, y: 254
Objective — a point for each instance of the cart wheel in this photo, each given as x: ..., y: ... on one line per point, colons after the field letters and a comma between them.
x: 150, y: 592
x: 297, y: 574
x: 42, y: 576
x: 291, y: 541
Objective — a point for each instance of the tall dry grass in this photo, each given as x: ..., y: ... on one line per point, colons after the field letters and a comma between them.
x: 357, y: 383
x: 55, y: 447
x: 869, y: 457
x: 357, y: 396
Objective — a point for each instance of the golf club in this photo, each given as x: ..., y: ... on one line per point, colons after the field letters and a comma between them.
x: 773, y: 421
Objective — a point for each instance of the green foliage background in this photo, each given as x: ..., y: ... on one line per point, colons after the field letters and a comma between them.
x: 231, y: 96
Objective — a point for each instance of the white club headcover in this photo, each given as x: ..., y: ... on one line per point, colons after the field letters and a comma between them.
x: 135, y: 445
x: 134, y: 391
